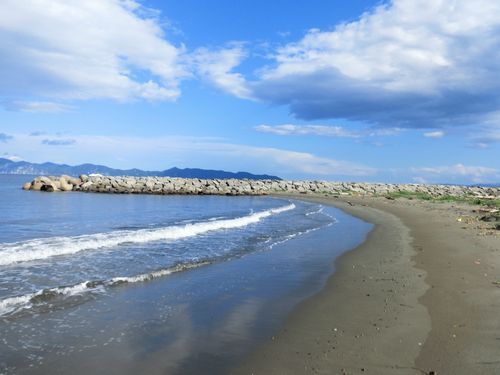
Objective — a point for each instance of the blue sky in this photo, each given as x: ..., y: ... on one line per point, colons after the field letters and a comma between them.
x: 391, y: 91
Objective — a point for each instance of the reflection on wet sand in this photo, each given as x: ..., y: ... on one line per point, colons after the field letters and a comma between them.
x: 202, y: 319
x: 178, y: 354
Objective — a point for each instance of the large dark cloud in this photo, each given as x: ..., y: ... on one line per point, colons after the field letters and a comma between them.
x: 327, y: 94
x: 406, y: 63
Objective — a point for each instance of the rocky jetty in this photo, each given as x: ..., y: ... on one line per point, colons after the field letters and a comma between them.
x: 194, y: 186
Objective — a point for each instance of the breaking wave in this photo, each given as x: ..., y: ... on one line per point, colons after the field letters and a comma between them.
x: 44, y: 248
x: 61, y: 294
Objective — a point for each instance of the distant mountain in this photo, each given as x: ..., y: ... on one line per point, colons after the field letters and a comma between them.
x: 492, y: 185
x: 23, y: 167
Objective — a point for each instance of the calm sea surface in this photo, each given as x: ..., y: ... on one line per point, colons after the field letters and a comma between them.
x: 154, y: 284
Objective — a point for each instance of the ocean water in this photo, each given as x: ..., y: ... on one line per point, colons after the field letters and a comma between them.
x: 154, y: 284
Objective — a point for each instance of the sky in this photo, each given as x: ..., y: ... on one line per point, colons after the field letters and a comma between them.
x: 376, y: 91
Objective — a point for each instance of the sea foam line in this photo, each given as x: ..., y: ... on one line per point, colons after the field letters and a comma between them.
x: 318, y: 211
x: 44, y: 248
x: 11, y: 305
x: 27, y: 301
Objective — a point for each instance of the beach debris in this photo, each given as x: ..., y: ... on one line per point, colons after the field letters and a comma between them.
x: 497, y: 283
x: 477, y: 261
x: 488, y: 210
x: 350, y: 203
x: 466, y: 219
x: 485, y: 197
x: 490, y: 218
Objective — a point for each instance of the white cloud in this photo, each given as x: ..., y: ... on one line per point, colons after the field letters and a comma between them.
x: 153, y: 153
x: 487, y: 137
x: 36, y: 106
x: 481, y: 145
x: 459, y: 172
x: 216, y: 67
x: 434, y: 134
x: 391, y: 46
x: 408, y: 63
x: 321, y: 130
x: 93, y: 49
x: 324, y: 131
x: 11, y: 157
x: 301, y: 162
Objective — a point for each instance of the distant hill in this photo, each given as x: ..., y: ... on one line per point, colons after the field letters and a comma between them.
x: 23, y: 167
x: 492, y: 185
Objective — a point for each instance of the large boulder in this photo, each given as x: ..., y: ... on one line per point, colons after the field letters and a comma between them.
x: 75, y: 181
x: 36, y: 185
x: 44, y: 180
x: 64, y: 185
x: 86, y: 186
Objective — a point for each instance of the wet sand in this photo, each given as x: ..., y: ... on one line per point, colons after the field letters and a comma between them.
x: 420, y: 296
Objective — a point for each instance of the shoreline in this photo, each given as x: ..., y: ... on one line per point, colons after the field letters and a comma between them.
x: 417, y: 297
x: 164, y: 325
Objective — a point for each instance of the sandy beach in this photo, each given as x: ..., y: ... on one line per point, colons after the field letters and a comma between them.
x: 420, y: 296
x: 250, y: 187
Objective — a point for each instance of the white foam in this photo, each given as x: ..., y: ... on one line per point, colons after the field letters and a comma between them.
x: 44, y: 248
x: 318, y: 211
x: 25, y: 302
x: 153, y: 275
x: 13, y: 304
x: 297, y: 234
x: 141, y: 278
x: 77, y: 289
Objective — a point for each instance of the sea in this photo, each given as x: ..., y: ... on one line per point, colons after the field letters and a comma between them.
x: 128, y: 284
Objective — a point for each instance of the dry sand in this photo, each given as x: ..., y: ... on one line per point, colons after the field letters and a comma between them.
x: 420, y: 296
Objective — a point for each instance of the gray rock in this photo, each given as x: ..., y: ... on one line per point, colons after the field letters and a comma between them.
x: 166, y: 185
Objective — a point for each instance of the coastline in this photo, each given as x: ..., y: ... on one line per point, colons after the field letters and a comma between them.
x: 160, y: 325
x: 419, y: 296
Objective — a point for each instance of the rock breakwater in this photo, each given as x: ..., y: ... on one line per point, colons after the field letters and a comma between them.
x: 194, y: 186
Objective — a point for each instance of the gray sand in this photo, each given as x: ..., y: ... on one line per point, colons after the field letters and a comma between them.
x: 418, y: 296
